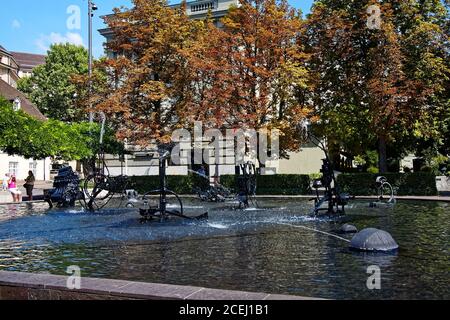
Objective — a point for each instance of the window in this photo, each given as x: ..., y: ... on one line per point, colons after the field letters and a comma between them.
x: 13, y: 168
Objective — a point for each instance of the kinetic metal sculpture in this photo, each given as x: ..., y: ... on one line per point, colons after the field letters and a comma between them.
x: 163, y: 203
x: 211, y: 193
x: 100, y: 187
x: 66, y: 190
x: 246, y: 185
x: 386, y: 195
x: 336, y: 201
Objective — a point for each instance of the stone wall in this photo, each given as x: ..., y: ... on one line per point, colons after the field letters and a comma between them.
x: 28, y: 286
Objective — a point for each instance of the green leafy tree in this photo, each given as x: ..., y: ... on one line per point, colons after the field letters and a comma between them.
x: 50, y: 87
x: 374, y: 87
x: 26, y: 136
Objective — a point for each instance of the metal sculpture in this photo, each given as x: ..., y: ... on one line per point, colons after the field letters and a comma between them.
x: 246, y: 185
x: 66, y: 190
x: 386, y: 194
x: 210, y: 193
x: 161, y: 204
x: 336, y: 201
x: 100, y: 187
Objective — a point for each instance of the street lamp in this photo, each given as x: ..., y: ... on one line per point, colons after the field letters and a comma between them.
x: 91, y: 8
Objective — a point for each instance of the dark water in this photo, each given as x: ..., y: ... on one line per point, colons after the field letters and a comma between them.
x: 267, y: 250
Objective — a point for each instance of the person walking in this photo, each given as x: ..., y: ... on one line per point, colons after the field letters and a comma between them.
x: 15, y: 192
x: 29, y: 185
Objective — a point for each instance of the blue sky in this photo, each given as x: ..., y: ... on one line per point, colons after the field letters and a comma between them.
x: 31, y: 26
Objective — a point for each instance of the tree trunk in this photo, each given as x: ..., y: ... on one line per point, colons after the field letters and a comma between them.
x: 382, y: 155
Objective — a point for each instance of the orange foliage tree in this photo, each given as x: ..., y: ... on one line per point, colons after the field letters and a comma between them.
x: 254, y: 67
x: 169, y: 71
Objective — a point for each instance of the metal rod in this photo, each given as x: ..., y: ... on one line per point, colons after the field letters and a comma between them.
x: 91, y: 114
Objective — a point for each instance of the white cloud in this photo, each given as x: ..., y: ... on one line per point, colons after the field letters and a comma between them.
x: 15, y: 24
x: 44, y: 41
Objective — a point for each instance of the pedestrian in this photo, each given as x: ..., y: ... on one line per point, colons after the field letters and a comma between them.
x: 5, y: 182
x: 202, y: 171
x: 29, y: 185
x: 15, y: 192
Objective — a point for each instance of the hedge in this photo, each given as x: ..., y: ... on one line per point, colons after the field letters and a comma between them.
x: 178, y: 184
x: 267, y: 185
x: 404, y: 184
x: 281, y: 184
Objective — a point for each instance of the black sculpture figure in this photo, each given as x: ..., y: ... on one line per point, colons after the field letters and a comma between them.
x: 246, y: 184
x: 210, y: 193
x: 384, y: 189
x: 335, y: 199
x: 100, y: 187
x: 160, y: 208
x: 66, y: 190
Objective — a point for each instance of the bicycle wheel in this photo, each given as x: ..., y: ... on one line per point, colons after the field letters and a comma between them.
x: 97, y: 187
x: 386, y: 192
x: 154, y: 206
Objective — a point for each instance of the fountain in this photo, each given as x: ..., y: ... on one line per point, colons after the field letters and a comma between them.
x: 336, y: 201
x: 211, y: 193
x: 66, y: 190
x: 160, y: 208
x: 384, y: 189
x: 246, y: 185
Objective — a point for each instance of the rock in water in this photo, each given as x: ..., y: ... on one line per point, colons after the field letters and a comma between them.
x: 348, y: 228
x: 373, y: 240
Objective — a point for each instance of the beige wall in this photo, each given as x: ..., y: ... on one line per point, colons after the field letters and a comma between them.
x: 307, y: 161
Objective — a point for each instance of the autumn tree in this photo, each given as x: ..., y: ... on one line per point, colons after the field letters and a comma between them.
x: 143, y: 87
x: 253, y: 67
x: 377, y: 84
x: 169, y: 71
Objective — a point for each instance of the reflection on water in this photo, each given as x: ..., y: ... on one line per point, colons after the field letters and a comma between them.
x: 253, y: 250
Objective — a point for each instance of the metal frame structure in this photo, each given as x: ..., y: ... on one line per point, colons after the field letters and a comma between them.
x: 212, y: 193
x: 332, y: 195
x: 246, y: 185
x: 384, y: 188
x: 161, y: 211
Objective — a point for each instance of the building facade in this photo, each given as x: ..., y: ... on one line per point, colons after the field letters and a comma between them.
x: 27, y: 62
x: 10, y: 71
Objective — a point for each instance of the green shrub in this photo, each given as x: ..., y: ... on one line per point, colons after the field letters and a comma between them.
x: 178, y: 184
x: 281, y: 184
x: 267, y: 185
x: 373, y: 170
x: 228, y: 181
x: 404, y: 184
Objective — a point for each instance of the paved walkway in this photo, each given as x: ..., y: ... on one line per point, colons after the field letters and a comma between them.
x: 40, y: 186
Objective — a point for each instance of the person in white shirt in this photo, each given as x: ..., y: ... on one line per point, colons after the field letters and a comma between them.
x: 5, y: 180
